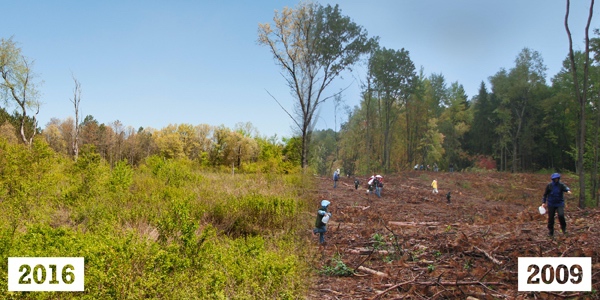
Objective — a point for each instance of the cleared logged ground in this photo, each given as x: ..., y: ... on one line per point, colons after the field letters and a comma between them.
x: 412, y: 244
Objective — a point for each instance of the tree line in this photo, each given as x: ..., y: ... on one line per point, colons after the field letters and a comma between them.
x: 517, y: 123
x: 212, y: 146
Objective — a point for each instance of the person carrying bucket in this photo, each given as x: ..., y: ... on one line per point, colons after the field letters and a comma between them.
x: 322, y: 218
x: 375, y: 183
x: 554, y: 202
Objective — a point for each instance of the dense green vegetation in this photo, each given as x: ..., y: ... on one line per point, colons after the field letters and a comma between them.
x: 164, y: 229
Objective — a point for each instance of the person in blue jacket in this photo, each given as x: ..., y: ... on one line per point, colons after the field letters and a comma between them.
x: 554, y: 202
x: 336, y: 177
x: 322, y: 219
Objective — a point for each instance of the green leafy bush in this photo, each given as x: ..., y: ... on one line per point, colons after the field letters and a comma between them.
x: 121, y: 177
x: 337, y: 268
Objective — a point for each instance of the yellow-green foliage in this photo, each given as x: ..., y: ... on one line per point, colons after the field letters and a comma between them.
x: 163, y: 230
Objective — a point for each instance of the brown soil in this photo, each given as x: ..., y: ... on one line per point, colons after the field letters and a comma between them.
x: 425, y: 248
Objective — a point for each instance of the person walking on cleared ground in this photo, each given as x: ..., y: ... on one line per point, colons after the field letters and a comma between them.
x: 375, y: 183
x: 322, y: 219
x: 378, y: 185
x: 554, y: 202
x: 336, y: 177
x: 434, y: 185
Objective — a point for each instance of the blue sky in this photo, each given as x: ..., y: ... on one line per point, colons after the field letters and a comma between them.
x: 154, y: 63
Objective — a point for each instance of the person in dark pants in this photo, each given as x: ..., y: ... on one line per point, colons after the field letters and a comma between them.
x: 321, y: 222
x: 336, y: 177
x: 378, y: 186
x: 356, y: 183
x: 554, y: 202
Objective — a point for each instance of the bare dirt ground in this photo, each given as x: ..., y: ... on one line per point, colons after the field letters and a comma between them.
x: 412, y: 244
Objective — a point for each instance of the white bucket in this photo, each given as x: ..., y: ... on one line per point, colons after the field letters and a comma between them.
x: 542, y: 210
x: 325, y: 219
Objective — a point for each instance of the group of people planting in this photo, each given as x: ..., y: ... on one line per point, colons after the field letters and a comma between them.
x: 553, y: 202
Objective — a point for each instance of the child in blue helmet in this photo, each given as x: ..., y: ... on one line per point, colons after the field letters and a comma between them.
x: 322, y: 219
x: 554, y: 201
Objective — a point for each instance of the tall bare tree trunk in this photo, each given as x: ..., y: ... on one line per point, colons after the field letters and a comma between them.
x: 368, y: 124
x: 581, y: 95
x: 409, y: 138
x: 386, y: 138
x: 594, y: 180
x: 76, y: 100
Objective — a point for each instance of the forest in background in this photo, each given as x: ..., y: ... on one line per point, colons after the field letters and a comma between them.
x: 519, y: 123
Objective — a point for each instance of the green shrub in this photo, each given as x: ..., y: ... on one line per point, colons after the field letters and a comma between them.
x: 177, y: 222
x: 338, y: 268
x: 121, y: 177
x: 176, y: 172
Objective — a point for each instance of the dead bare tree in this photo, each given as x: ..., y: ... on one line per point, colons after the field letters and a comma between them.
x: 76, y: 104
x: 581, y: 94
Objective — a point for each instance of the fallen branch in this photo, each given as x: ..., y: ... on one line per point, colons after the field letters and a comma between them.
x: 487, y: 288
x: 361, y: 207
x: 364, y: 260
x: 457, y: 283
x: 371, y: 271
x: 481, y: 278
x: 434, y: 283
x: 392, y: 288
x: 367, y: 251
x: 494, y: 260
x: 412, y: 223
x: 548, y: 251
x: 331, y: 291
x: 486, y: 295
x: 445, y: 283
